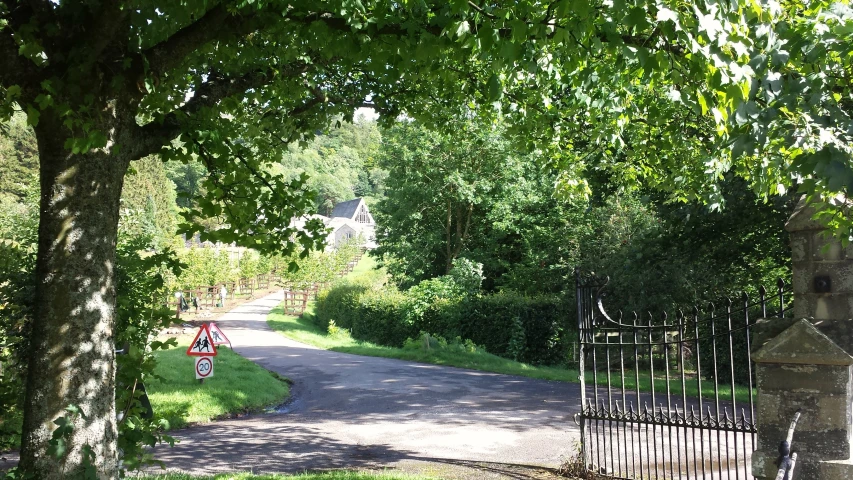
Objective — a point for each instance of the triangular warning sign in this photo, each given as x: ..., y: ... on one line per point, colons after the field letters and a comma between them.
x: 216, y: 335
x: 202, y: 345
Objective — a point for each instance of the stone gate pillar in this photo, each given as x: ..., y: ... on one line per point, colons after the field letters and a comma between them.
x: 802, y: 368
x: 808, y: 366
x: 822, y: 277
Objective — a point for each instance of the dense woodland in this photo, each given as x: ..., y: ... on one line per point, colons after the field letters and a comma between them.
x: 475, y: 194
x: 478, y: 239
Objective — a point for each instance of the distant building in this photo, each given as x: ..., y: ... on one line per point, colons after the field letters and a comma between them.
x: 357, y: 213
x: 350, y: 219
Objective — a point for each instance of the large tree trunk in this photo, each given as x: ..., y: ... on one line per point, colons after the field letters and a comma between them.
x: 72, y: 354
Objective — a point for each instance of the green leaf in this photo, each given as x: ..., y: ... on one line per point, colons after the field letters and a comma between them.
x: 495, y: 88
x: 12, y: 92
x: 700, y: 97
x: 44, y: 101
x: 57, y: 448
x: 637, y: 18
x: 33, y: 116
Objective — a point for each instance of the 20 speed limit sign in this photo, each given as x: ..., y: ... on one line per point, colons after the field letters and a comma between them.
x: 203, y: 367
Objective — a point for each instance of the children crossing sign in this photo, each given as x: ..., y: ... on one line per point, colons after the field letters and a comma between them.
x: 216, y: 335
x: 202, y: 345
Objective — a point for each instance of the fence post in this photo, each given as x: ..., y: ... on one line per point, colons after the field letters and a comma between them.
x: 801, y: 368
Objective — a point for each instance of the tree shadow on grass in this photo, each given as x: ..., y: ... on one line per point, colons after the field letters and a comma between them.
x: 500, y: 470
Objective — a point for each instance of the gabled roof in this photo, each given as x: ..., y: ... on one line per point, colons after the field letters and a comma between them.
x: 339, y: 222
x: 346, y: 209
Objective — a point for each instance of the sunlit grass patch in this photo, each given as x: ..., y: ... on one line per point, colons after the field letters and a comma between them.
x: 365, y: 265
x: 237, y: 386
x: 302, y: 329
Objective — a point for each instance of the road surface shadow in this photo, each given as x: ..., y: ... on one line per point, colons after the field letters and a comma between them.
x: 260, y: 447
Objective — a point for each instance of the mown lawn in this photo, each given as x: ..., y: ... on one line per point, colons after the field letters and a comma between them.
x: 237, y: 386
x: 303, y: 329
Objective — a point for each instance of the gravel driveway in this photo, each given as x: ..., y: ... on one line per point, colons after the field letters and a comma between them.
x: 366, y: 412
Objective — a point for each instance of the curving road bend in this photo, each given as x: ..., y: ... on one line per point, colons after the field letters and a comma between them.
x: 365, y: 412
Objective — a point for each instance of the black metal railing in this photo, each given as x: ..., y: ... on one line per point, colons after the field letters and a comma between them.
x: 669, y: 396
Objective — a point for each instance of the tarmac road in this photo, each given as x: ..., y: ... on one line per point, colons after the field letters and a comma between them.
x: 366, y: 412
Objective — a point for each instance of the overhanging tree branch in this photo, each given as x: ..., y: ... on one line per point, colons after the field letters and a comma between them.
x: 16, y: 70
x: 341, y: 25
x: 168, y: 53
x: 217, y: 24
x: 102, y: 28
x: 153, y: 136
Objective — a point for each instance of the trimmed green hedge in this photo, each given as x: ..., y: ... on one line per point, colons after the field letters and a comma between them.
x: 536, y: 330
x: 338, y: 303
x: 377, y: 318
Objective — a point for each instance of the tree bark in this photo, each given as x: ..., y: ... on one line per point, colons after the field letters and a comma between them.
x: 72, y: 354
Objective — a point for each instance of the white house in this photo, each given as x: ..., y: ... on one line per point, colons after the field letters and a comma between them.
x: 343, y: 230
x: 348, y: 220
x: 358, y: 214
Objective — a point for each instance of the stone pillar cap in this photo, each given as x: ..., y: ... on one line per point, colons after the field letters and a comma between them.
x: 801, y: 220
x: 802, y: 343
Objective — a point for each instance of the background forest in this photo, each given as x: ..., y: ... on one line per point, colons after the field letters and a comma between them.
x: 477, y: 236
x: 471, y: 195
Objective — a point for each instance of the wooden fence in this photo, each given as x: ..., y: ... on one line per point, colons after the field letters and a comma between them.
x: 295, y: 300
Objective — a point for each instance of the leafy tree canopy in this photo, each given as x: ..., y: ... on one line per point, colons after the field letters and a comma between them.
x: 669, y: 92
x: 148, y: 203
x: 761, y: 89
x: 675, y: 95
x: 340, y: 164
x: 472, y: 195
x: 18, y: 158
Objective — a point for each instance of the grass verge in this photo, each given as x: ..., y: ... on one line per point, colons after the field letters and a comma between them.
x: 237, y: 386
x: 304, y: 330
x: 332, y: 475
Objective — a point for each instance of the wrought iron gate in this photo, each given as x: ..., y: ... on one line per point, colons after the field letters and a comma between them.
x: 668, y: 396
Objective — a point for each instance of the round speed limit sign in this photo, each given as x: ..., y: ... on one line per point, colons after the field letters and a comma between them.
x: 203, y: 367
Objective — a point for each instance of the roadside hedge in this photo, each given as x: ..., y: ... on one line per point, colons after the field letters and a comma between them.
x: 531, y: 329
x: 339, y: 303
x: 376, y: 318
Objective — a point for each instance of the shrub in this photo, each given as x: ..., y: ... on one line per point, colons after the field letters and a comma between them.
x: 339, y: 303
x: 431, y: 306
x: 537, y: 329
x: 379, y: 318
x: 531, y: 329
x: 434, y: 342
x: 205, y: 266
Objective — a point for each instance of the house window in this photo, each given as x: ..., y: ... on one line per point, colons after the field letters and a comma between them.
x: 362, y: 215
